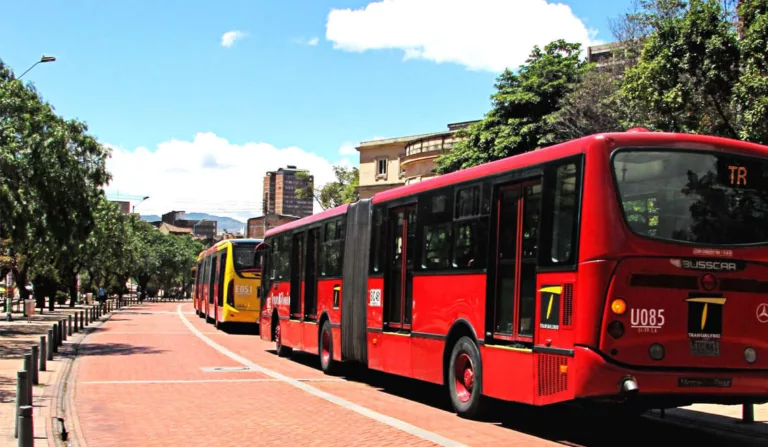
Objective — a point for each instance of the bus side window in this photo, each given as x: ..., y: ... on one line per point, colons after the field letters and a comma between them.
x: 563, y: 197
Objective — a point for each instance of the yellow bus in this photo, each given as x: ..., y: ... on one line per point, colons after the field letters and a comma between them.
x: 227, y: 283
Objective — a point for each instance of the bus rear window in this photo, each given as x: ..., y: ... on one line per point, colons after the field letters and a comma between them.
x: 695, y: 197
x: 244, y: 258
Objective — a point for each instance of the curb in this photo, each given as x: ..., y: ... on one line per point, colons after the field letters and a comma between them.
x: 62, y: 400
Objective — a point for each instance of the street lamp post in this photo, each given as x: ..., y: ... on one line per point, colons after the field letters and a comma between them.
x: 134, y: 206
x: 42, y: 60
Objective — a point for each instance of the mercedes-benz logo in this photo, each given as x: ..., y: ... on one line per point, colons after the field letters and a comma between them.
x: 762, y: 313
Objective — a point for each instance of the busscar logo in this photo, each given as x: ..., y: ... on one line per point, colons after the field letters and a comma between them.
x: 707, y: 264
x: 705, y: 317
x: 549, y: 312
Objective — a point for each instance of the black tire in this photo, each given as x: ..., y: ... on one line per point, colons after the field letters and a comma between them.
x: 282, y: 351
x: 327, y: 363
x: 466, y: 394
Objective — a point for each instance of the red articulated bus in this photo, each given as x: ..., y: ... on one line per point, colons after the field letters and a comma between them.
x: 623, y: 268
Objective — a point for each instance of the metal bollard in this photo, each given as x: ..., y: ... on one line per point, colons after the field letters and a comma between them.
x: 74, y: 327
x: 51, y: 344
x: 35, y: 361
x: 82, y: 320
x: 21, y: 397
x: 87, y: 317
x: 43, y: 352
x: 63, y: 324
x: 69, y: 325
x: 28, y: 367
x: 26, y: 427
x: 748, y: 413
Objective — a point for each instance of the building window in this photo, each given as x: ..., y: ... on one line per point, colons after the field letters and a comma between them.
x: 381, y: 168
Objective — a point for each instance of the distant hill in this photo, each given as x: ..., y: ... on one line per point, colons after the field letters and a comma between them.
x: 224, y: 223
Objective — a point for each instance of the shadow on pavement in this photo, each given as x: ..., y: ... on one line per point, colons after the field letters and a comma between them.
x: 115, y: 349
x: 568, y: 424
x: 7, y: 389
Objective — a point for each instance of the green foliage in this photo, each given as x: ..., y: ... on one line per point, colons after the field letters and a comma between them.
x: 524, y: 108
x: 333, y: 194
x: 751, y: 92
x: 55, y: 222
x: 685, y: 77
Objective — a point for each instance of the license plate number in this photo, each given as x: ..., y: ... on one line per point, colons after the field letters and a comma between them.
x: 705, y: 348
x: 698, y: 382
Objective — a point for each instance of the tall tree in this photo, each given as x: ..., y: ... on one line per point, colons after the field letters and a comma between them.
x: 523, y: 108
x: 685, y: 77
x: 50, y: 172
x: 751, y: 92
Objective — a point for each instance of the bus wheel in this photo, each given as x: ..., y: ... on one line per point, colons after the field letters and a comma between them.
x: 282, y: 351
x: 465, y: 378
x: 327, y: 364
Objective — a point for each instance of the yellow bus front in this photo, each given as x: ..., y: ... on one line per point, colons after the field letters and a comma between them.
x: 242, y: 283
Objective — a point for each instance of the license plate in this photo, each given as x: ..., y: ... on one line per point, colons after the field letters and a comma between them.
x: 698, y: 382
x: 705, y: 348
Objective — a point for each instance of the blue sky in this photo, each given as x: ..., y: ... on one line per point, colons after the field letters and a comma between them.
x: 155, y: 75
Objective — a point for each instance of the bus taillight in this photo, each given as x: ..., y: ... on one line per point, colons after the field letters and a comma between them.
x: 619, y: 306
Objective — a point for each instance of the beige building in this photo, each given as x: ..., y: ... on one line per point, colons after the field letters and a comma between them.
x: 392, y: 162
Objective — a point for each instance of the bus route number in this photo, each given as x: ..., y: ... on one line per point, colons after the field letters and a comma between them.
x: 375, y: 297
x: 738, y: 175
x: 647, y: 320
x: 243, y: 290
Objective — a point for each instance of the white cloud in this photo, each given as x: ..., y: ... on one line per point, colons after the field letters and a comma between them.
x: 228, y: 39
x: 313, y: 41
x: 348, y: 148
x: 486, y: 35
x: 207, y: 174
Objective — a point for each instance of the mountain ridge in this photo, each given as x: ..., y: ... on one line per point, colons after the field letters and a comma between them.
x: 223, y: 222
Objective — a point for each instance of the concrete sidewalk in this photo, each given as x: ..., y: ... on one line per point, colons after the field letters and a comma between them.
x: 16, y: 339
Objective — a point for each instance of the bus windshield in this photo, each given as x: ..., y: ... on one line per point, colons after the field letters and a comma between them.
x: 694, y: 197
x: 243, y: 257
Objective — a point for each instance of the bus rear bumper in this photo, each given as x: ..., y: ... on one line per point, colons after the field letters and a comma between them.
x: 597, y: 378
x: 240, y: 316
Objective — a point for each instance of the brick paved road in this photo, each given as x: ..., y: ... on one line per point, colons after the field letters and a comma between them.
x: 141, y: 380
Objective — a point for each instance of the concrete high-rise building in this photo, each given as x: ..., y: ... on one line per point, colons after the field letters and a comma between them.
x: 280, y: 192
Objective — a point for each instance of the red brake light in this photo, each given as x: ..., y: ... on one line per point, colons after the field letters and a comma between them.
x: 708, y: 282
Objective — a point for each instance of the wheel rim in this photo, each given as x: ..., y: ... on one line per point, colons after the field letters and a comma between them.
x: 326, y: 352
x: 464, y: 373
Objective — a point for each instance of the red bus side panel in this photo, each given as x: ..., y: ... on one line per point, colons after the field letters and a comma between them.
x: 507, y: 373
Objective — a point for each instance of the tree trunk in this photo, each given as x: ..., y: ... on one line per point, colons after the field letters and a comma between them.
x: 20, y: 276
x: 72, y: 286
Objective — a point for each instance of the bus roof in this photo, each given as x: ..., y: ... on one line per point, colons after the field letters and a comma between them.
x: 309, y: 219
x: 633, y: 137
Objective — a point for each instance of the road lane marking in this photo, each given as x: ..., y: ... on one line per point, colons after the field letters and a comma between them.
x: 367, y: 412
x: 143, y: 382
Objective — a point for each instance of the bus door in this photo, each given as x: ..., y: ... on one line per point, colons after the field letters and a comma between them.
x: 310, y: 275
x: 211, y: 278
x: 293, y: 335
x: 398, y: 290
x: 220, y: 282
x: 512, y: 295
